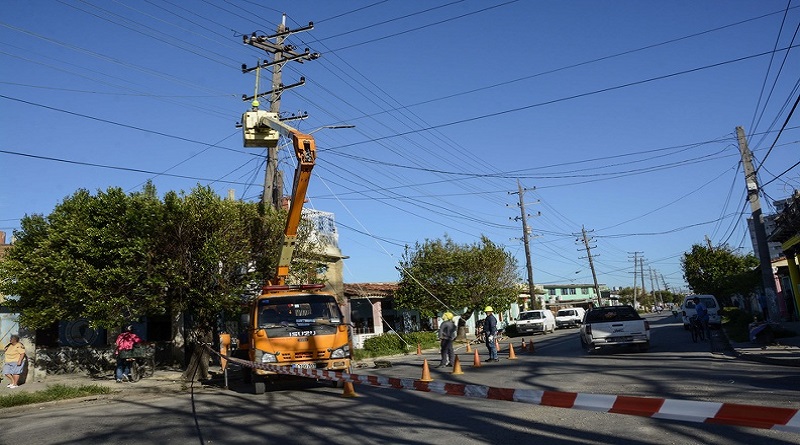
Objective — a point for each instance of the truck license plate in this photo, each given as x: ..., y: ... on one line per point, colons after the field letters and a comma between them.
x: 304, y: 366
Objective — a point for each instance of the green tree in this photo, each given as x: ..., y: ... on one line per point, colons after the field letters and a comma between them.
x: 92, y: 257
x: 113, y: 258
x: 720, y: 271
x: 441, y: 274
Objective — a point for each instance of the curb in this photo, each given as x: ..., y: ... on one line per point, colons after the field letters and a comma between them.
x: 795, y: 362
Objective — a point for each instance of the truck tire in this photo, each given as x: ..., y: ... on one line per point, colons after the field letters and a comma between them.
x: 586, y: 347
x: 247, y: 375
x: 259, y: 386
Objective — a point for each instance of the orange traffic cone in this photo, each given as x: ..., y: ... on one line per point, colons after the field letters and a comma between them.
x: 531, y: 348
x: 496, y: 344
x: 419, y: 349
x: 426, y: 372
x: 476, y: 362
x: 349, y: 391
x: 511, y: 354
x: 523, y: 345
x: 469, y: 348
x: 457, y: 366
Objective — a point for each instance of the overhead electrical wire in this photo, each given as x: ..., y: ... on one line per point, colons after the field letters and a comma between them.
x: 228, y: 2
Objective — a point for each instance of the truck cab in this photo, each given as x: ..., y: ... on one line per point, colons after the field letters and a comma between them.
x: 299, y: 329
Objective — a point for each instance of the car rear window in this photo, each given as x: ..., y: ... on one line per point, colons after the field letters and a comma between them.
x: 565, y: 313
x: 709, y: 302
x: 612, y: 313
x: 530, y: 315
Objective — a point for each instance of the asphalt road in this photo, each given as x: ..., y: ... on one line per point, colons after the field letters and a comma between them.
x: 308, y: 413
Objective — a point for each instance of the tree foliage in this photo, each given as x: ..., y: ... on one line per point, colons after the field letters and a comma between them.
x: 440, y: 274
x: 720, y: 271
x: 113, y: 258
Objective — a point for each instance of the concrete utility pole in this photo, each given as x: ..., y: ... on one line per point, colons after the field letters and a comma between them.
x: 641, y: 269
x: 664, y: 283
x: 282, y: 53
x: 526, y: 240
x: 751, y: 182
x: 591, y: 265
x: 635, y: 264
x: 653, y: 288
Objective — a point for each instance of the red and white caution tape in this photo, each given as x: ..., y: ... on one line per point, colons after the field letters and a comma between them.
x: 755, y: 416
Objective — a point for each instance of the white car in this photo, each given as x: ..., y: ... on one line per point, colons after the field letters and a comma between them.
x: 570, y: 317
x: 688, y: 310
x: 531, y: 322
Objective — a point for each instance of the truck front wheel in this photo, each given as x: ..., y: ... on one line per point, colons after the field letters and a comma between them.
x: 586, y: 346
x: 259, y: 386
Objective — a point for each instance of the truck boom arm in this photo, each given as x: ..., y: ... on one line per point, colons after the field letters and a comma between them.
x: 305, y: 151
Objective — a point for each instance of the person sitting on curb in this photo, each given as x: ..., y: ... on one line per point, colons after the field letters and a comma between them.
x: 14, y: 361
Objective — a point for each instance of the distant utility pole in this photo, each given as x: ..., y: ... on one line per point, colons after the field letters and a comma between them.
x: 635, y: 265
x: 282, y: 53
x: 641, y: 269
x: 586, y: 240
x: 526, y: 240
x: 751, y: 182
x: 664, y: 282
x: 653, y: 287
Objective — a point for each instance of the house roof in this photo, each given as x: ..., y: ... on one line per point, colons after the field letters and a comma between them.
x: 370, y: 289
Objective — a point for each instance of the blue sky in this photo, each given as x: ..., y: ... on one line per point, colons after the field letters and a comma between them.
x: 617, y: 116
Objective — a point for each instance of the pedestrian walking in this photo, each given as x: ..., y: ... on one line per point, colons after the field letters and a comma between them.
x: 490, y: 333
x: 14, y: 361
x: 447, y: 334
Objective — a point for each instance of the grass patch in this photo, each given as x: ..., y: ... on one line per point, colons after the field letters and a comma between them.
x: 392, y: 344
x: 51, y: 393
x: 736, y: 323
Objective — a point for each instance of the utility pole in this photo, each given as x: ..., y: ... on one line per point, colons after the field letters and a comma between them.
x: 666, y: 288
x: 591, y: 265
x: 664, y: 283
x: 526, y: 240
x: 751, y: 182
x: 635, y: 264
x: 282, y: 53
x: 641, y: 269
x: 653, y: 288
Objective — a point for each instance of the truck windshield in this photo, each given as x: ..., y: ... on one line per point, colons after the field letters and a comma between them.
x: 565, y: 313
x: 298, y: 311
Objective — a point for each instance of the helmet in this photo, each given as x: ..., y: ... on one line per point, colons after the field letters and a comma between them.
x: 447, y: 316
x: 488, y: 309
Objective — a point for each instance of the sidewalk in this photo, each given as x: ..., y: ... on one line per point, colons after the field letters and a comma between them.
x: 162, y: 382
x: 785, y: 351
